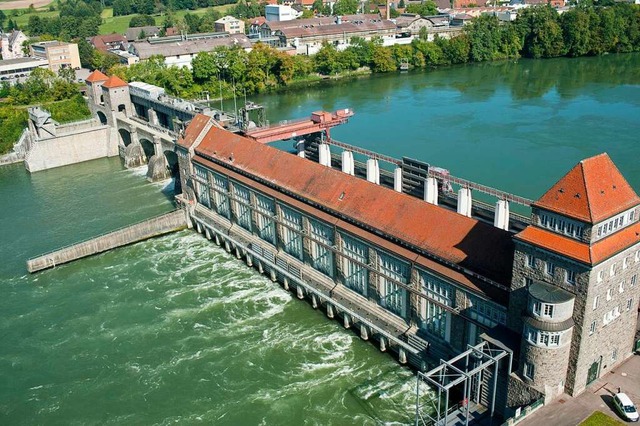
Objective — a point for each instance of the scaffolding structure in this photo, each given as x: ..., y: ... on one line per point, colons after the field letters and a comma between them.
x: 465, y: 369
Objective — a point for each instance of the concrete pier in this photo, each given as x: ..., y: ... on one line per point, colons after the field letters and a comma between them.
x: 373, y: 171
x: 397, y: 179
x: 149, y: 228
x: 324, y: 153
x: 501, y: 219
x: 465, y: 201
x: 431, y: 191
x: 348, y: 165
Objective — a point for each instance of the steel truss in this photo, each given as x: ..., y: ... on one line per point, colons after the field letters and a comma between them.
x: 466, y: 370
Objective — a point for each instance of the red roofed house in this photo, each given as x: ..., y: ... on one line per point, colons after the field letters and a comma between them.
x: 108, y: 42
x: 560, y: 297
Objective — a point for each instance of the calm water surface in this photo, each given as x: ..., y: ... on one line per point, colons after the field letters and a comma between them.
x: 176, y: 330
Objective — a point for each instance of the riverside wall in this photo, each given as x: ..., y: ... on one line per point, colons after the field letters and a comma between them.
x: 149, y: 228
x: 72, y: 145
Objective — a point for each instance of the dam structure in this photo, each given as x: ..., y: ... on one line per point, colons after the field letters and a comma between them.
x: 535, y: 308
x: 492, y: 306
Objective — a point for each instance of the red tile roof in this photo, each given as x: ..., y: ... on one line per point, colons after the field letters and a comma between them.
x: 114, y: 81
x: 592, y: 191
x: 455, y: 239
x: 582, y: 252
x: 474, y: 284
x: 96, y: 76
x: 193, y: 130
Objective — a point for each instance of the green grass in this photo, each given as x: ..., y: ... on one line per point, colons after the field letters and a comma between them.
x: 110, y: 23
x: 600, y: 419
x: 119, y: 24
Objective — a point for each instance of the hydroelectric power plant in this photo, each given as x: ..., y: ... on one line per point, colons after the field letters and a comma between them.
x: 520, y: 309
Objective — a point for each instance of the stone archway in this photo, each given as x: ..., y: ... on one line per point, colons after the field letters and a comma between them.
x: 174, y: 170
x: 148, y: 148
x: 125, y: 137
x: 102, y: 117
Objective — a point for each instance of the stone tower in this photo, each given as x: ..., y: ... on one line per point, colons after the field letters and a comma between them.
x: 115, y: 93
x: 575, y: 292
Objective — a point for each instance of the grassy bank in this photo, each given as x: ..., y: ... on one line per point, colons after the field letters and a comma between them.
x: 14, y: 118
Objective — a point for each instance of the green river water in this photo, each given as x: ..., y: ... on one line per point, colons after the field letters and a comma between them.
x: 175, y: 330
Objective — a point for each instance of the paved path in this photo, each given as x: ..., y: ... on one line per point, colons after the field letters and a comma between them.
x: 567, y: 411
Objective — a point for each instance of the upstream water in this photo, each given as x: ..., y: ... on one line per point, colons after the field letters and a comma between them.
x: 174, y: 330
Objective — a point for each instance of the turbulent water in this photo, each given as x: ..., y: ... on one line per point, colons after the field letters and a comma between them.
x: 175, y: 330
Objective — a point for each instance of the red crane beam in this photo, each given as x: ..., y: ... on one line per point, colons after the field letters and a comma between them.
x: 319, y: 121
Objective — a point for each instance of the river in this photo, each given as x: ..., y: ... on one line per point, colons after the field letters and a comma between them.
x: 175, y: 330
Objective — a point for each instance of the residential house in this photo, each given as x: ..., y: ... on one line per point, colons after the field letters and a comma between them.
x: 229, y: 24
x: 106, y: 43
x: 12, y: 44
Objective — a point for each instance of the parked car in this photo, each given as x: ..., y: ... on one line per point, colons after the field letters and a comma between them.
x: 625, y: 407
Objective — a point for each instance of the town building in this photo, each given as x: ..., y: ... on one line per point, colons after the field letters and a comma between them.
x: 180, y: 50
x: 309, y: 40
x: 17, y: 70
x: 12, y: 44
x: 140, y: 33
x: 109, y: 42
x: 229, y: 24
x: 558, y: 294
x: 59, y: 54
x: 280, y: 12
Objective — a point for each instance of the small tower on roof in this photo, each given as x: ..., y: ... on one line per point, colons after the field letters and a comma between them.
x: 94, y: 83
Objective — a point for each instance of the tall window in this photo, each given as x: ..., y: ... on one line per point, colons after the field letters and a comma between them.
x: 570, y: 277
x: 548, y: 310
x: 550, y: 268
x: 486, y: 313
x: 394, y: 297
x: 321, y: 255
x: 528, y: 370
x: 220, y: 194
x: 243, y: 209
x: 433, y: 316
x: 202, y: 189
x: 537, y: 307
x: 292, y: 225
x: 531, y: 261
x: 356, y: 275
x: 592, y: 328
x: 266, y: 210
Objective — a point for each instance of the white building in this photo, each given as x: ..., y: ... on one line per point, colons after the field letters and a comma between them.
x: 17, y: 70
x: 278, y: 12
x: 12, y: 44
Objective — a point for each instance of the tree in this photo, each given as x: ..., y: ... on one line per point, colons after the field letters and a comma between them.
x: 204, y: 67
x: 35, y: 25
x: 401, y: 4
x: 85, y: 51
x: 2, y: 18
x: 425, y: 8
x: 577, y: 31
x: 382, y: 60
x: 540, y: 29
x: 326, y: 60
x: 142, y: 21
x: 122, y: 7
x: 345, y: 7
x: 484, y: 35
x: 67, y: 74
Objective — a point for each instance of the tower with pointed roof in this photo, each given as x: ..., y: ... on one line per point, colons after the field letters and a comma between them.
x: 574, y: 287
x: 116, y: 96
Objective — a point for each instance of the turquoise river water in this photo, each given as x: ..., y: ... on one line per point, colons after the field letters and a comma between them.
x: 175, y: 330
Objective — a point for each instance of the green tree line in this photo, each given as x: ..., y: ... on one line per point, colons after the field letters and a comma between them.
x: 538, y: 32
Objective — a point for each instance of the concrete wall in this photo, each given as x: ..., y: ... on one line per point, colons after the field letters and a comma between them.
x: 72, y: 148
x: 149, y: 228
